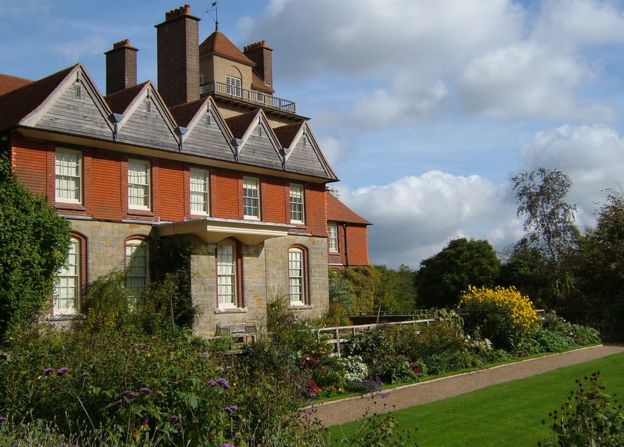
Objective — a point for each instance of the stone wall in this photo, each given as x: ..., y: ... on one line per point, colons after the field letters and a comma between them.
x: 264, y: 272
x: 265, y: 277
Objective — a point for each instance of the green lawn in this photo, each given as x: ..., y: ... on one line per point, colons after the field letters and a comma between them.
x: 504, y: 415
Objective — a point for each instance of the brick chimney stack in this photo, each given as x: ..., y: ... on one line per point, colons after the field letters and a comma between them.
x: 178, y: 56
x: 261, y: 54
x: 121, y: 67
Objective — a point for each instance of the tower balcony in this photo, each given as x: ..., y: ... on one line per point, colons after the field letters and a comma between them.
x: 254, y: 97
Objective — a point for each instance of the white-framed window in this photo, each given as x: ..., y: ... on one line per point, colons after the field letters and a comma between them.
x: 226, y: 274
x: 68, y: 176
x: 332, y: 240
x: 233, y: 86
x: 67, y: 283
x: 137, y: 266
x: 251, y: 198
x: 139, y: 184
x: 296, y: 203
x: 296, y: 276
x: 199, y: 189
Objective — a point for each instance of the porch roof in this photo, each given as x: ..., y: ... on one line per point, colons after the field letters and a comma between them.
x: 213, y: 230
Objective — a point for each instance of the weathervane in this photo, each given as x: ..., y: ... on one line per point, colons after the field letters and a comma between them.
x: 215, y: 8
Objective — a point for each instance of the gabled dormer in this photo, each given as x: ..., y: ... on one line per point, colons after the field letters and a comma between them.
x: 302, y: 153
x: 203, y: 131
x: 142, y: 118
x: 256, y: 144
x: 69, y: 103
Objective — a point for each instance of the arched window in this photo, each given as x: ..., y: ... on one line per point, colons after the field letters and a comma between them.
x: 297, y: 276
x: 226, y: 275
x: 137, y: 265
x: 67, y: 286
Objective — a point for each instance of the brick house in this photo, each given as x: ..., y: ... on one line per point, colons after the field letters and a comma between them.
x: 347, y: 235
x: 211, y: 156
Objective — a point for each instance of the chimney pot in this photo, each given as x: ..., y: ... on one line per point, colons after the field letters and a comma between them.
x: 121, y: 66
x: 178, y: 56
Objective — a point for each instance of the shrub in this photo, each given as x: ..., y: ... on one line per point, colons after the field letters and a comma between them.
x: 34, y: 242
x: 500, y: 314
x: 129, y: 384
x: 355, y: 370
x: 543, y: 340
x: 589, y: 417
x: 582, y: 335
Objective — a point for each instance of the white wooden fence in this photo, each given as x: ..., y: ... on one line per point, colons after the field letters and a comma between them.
x: 340, y: 333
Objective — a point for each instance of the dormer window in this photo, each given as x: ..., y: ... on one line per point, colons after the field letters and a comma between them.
x: 233, y: 86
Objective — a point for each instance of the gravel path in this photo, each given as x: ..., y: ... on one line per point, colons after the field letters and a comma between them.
x: 353, y: 408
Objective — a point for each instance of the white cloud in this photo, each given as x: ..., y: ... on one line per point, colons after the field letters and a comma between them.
x: 526, y: 80
x: 415, y: 216
x: 592, y: 156
x: 333, y: 149
x: 492, y: 58
x: 580, y: 22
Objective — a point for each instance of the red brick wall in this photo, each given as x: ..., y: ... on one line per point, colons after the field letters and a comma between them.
x: 275, y: 205
x: 104, y: 200
x: 226, y: 194
x: 171, y: 196
x: 357, y: 244
x: 105, y: 188
x: 29, y: 163
x: 316, y: 213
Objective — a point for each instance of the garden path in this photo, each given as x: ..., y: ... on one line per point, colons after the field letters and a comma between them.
x: 353, y: 408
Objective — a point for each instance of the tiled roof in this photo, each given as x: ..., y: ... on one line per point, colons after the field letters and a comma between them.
x: 286, y: 134
x: 15, y: 105
x: 220, y: 45
x: 119, y: 101
x: 184, y: 113
x: 258, y: 84
x: 339, y: 212
x: 239, y: 124
x: 9, y: 83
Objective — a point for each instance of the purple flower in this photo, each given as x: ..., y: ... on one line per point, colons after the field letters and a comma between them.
x: 146, y: 421
x: 145, y: 390
x: 175, y: 420
x: 231, y: 409
x: 212, y: 383
x: 223, y: 383
x: 62, y: 371
x: 130, y: 394
x: 48, y: 371
x: 2, y: 419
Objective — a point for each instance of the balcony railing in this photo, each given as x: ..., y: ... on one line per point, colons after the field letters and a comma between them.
x: 249, y: 96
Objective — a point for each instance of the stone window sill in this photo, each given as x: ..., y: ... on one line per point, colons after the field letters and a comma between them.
x: 301, y: 307
x: 67, y: 317
x: 230, y: 310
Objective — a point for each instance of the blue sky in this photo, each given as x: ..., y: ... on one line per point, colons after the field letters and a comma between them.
x: 425, y: 109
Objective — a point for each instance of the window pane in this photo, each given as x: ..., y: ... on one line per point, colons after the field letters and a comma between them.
x: 199, y: 192
x: 296, y: 203
x: 67, y: 284
x: 67, y: 168
x: 138, y: 184
x: 295, y: 276
x: 251, y: 198
x: 226, y: 275
x: 333, y: 238
x: 136, y: 266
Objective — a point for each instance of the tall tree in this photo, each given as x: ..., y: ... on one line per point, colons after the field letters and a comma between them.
x: 443, y: 277
x: 548, y: 218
